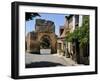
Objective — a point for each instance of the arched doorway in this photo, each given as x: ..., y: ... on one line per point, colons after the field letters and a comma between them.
x: 45, y: 42
x: 45, y: 45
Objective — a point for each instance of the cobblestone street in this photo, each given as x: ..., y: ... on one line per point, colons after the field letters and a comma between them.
x: 37, y: 60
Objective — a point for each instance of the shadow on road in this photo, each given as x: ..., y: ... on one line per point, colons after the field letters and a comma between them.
x: 42, y: 64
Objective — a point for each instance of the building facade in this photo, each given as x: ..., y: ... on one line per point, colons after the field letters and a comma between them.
x: 72, y: 49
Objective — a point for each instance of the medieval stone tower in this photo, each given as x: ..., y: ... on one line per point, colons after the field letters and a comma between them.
x: 43, y: 37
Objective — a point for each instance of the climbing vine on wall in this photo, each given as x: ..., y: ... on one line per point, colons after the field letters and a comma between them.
x: 80, y: 33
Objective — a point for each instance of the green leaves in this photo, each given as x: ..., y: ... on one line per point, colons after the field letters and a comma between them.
x: 80, y: 33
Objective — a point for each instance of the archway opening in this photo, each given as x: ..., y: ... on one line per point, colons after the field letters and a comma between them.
x: 45, y: 42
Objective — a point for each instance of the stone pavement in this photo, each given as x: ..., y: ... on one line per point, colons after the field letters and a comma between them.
x: 53, y: 58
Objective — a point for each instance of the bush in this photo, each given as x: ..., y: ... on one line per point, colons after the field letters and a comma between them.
x: 80, y: 33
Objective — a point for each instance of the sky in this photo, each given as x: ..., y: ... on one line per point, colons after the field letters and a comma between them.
x: 58, y: 20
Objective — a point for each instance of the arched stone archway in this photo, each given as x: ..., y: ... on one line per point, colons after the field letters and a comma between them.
x: 51, y: 37
x: 45, y: 42
x: 48, y: 39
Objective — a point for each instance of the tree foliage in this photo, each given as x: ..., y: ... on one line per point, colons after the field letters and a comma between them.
x: 30, y: 16
x: 80, y: 33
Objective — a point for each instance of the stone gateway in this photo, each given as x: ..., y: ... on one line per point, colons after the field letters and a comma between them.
x: 43, y: 37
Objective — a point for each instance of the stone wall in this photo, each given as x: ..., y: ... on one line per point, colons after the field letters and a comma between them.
x: 42, y: 28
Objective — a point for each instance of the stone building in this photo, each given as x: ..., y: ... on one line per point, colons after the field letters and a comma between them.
x: 43, y: 37
x: 72, y: 22
x: 71, y: 49
x: 61, y: 41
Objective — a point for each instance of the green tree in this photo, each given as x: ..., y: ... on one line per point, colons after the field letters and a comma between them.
x: 31, y: 15
x: 80, y: 33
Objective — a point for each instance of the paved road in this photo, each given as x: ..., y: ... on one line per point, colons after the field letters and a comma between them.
x: 50, y: 58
